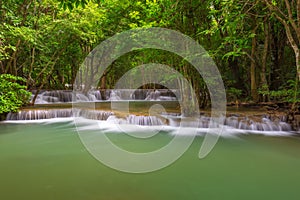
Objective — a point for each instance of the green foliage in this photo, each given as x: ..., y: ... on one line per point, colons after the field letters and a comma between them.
x: 46, y: 41
x: 71, y: 4
x: 233, y: 94
x: 285, y: 93
x: 13, y: 95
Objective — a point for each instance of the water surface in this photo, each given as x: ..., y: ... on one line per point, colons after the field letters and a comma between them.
x: 48, y: 161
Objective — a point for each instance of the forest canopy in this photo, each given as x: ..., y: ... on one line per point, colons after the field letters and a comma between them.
x: 255, y: 44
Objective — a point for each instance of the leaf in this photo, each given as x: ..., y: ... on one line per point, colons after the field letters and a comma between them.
x: 70, y: 6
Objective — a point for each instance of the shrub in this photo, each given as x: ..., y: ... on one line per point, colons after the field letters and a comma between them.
x: 233, y: 94
x: 13, y: 94
x: 286, y: 92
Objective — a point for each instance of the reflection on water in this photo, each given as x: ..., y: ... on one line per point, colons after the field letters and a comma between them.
x: 46, y: 160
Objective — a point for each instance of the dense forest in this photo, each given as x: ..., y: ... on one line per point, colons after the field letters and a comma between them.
x: 254, y: 43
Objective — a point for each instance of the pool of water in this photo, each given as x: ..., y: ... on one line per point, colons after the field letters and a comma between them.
x: 48, y: 161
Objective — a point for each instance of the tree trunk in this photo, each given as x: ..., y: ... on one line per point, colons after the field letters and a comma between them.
x: 29, y: 79
x: 254, y: 93
x: 12, y: 65
x: 264, y: 83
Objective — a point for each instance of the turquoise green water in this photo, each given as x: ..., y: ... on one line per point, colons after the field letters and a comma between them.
x: 48, y: 161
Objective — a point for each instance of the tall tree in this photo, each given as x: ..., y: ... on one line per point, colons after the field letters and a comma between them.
x: 288, y: 13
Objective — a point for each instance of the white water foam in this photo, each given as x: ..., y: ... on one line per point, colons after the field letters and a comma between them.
x: 113, y: 125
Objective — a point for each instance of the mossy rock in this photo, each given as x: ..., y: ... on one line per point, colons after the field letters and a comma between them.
x: 3, y: 116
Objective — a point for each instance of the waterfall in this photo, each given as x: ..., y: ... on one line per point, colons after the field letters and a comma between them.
x: 256, y: 124
x: 162, y: 95
x: 55, y: 96
x: 137, y: 120
x: 244, y: 123
x: 247, y: 123
x: 95, y: 114
x: 114, y: 96
x: 251, y: 123
x: 39, y: 114
x: 144, y: 120
x: 66, y: 96
x: 58, y: 113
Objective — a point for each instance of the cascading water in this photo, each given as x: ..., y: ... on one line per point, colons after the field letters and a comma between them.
x: 58, y: 113
x: 144, y: 120
x: 114, y: 96
x: 251, y: 123
x: 65, y: 96
x: 247, y: 123
x: 257, y: 124
x: 39, y: 114
x: 162, y: 95
x: 94, y: 114
x: 234, y: 121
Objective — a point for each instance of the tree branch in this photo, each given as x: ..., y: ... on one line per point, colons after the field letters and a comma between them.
x: 291, y: 20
